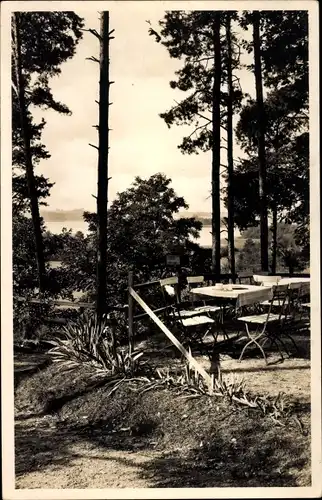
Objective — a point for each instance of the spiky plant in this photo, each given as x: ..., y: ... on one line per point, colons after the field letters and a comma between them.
x: 93, y: 342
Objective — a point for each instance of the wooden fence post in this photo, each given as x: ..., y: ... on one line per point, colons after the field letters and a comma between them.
x: 130, y: 311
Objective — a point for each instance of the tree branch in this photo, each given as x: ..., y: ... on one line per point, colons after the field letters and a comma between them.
x: 204, y: 117
x: 205, y: 125
x: 203, y: 59
x: 92, y: 58
x: 93, y: 32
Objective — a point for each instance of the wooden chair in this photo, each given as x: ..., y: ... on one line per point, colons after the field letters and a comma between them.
x: 205, y: 308
x: 245, y: 277
x: 186, y: 318
x: 268, y: 324
x: 266, y: 280
x: 301, y: 299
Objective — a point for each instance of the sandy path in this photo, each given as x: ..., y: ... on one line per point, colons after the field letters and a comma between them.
x: 85, y: 464
x: 93, y: 467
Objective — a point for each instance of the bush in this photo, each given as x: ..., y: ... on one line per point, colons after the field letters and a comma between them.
x: 29, y: 319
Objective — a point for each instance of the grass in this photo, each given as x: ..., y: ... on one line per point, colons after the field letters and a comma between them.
x: 63, y: 420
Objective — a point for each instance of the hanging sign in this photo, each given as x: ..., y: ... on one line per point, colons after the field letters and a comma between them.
x: 173, y: 260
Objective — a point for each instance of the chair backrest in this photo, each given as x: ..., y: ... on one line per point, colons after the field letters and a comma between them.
x: 169, y: 288
x: 263, y: 279
x: 245, y: 276
x: 280, y: 293
x: 195, y: 279
x: 173, y: 280
x: 304, y: 290
x: 299, y: 293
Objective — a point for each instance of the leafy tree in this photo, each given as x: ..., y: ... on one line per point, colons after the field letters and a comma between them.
x: 249, y: 256
x: 143, y: 229
x: 290, y: 255
x: 280, y: 44
x: 196, y: 38
x: 286, y: 158
x: 41, y: 43
x: 24, y: 258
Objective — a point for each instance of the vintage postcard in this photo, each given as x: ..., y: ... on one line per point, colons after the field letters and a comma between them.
x: 160, y: 249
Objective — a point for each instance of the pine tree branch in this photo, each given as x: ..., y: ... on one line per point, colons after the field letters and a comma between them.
x: 204, y: 117
x: 203, y: 59
x: 93, y: 32
x: 205, y: 125
x: 236, y: 78
x: 92, y: 58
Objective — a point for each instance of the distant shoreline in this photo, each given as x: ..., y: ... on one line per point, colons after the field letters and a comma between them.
x: 205, y: 239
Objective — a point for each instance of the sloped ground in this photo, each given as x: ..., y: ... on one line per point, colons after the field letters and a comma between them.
x: 70, y: 434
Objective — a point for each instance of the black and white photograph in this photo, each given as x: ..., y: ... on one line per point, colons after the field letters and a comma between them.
x: 160, y: 246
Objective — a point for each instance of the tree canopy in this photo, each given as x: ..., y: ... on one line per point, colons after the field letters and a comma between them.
x: 47, y: 40
x: 142, y: 230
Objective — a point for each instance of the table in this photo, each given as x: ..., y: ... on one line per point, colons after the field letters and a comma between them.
x: 243, y: 294
x: 288, y: 281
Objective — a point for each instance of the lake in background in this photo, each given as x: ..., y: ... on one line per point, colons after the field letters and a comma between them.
x: 57, y: 226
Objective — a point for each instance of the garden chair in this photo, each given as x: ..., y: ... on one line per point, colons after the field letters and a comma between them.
x: 245, y: 277
x: 268, y: 325
x: 205, y: 308
x: 303, y: 304
x: 265, y: 280
x: 188, y: 318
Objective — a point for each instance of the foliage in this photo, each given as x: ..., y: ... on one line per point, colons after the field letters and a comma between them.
x: 47, y: 40
x: 287, y: 163
x: 142, y: 230
x: 29, y: 319
x: 249, y: 257
x: 94, y: 343
x: 290, y: 255
x: 188, y: 36
x: 285, y: 73
x: 24, y: 260
x: 284, y: 47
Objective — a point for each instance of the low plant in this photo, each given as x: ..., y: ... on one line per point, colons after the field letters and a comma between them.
x: 94, y: 342
x: 29, y: 318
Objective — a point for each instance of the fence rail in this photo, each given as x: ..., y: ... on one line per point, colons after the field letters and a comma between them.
x: 70, y: 304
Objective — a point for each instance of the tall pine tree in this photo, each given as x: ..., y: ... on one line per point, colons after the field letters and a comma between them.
x: 199, y: 39
x: 41, y: 42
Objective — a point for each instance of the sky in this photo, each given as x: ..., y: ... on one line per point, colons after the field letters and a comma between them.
x: 141, y: 143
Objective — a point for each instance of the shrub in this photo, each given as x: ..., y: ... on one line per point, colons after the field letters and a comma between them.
x: 29, y: 319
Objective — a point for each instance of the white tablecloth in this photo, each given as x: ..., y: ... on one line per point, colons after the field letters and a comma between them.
x: 288, y: 281
x: 243, y: 294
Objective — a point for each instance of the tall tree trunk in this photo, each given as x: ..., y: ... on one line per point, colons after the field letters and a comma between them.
x: 261, y: 142
x: 230, y: 157
x: 216, y: 149
x: 25, y: 130
x: 102, y: 185
x: 274, y: 239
